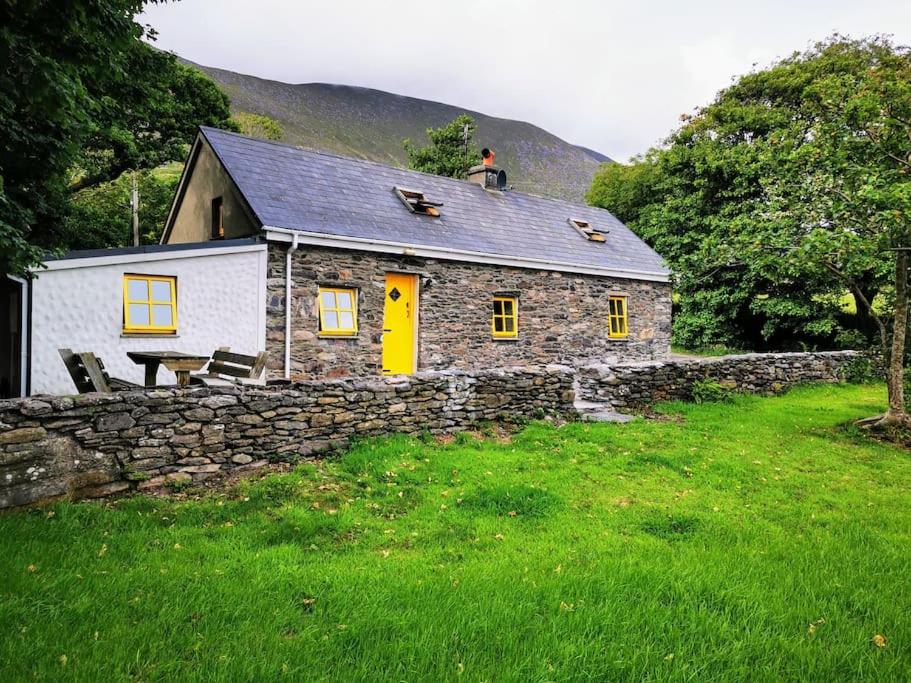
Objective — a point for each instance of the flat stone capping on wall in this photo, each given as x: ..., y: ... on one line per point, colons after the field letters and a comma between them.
x: 99, y: 444
x: 634, y: 385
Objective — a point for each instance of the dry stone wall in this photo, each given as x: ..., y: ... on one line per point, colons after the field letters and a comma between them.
x: 634, y: 385
x: 99, y: 444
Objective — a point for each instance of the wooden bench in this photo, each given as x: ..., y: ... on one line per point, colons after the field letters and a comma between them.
x: 89, y: 375
x: 227, y: 368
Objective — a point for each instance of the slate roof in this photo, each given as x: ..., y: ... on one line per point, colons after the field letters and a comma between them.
x: 298, y: 189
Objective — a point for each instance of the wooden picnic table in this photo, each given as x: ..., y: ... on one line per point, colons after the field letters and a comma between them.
x: 181, y: 364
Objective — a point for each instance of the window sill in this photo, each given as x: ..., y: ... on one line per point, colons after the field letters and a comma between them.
x: 145, y: 335
x: 321, y: 335
x: 619, y: 339
x: 505, y: 339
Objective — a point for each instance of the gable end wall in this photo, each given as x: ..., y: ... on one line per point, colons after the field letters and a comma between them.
x: 208, y: 180
x: 562, y: 316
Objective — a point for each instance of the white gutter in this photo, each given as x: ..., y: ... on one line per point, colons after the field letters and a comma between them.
x: 24, y: 325
x: 290, y: 251
x: 387, y: 247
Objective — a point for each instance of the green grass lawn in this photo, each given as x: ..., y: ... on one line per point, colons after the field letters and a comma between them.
x: 758, y: 540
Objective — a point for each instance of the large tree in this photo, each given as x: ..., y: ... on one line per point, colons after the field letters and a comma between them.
x: 101, y: 216
x: 696, y: 195
x: 82, y: 98
x: 842, y: 203
x: 450, y: 151
x: 149, y: 117
x: 789, y: 189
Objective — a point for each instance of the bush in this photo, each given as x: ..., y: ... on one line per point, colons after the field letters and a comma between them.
x: 851, y: 340
x: 134, y: 475
x: 710, y: 391
x: 258, y: 126
x: 863, y: 369
x: 178, y: 485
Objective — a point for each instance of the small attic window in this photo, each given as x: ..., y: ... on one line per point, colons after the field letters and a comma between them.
x: 587, y: 231
x: 417, y: 202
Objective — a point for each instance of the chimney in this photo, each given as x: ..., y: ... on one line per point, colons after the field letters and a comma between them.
x: 487, y: 175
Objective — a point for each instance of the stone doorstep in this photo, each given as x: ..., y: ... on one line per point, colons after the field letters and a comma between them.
x: 593, y: 411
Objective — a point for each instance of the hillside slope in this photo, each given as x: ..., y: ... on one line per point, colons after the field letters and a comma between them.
x: 371, y: 124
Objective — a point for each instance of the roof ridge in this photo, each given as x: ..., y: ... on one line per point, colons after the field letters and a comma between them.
x: 301, y: 148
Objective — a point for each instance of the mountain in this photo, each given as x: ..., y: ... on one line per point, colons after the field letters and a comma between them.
x: 371, y: 124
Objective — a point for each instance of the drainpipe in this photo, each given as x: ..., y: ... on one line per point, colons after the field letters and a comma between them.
x: 24, y: 325
x: 290, y: 251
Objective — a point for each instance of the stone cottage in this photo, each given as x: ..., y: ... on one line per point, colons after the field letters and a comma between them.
x: 341, y: 267
x: 380, y: 270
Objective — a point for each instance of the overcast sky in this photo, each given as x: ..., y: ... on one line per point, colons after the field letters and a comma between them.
x: 614, y: 76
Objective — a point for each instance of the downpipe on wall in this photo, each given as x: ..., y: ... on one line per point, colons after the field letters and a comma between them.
x: 288, y: 254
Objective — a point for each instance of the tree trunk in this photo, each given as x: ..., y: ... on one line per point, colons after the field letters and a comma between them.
x: 895, y: 372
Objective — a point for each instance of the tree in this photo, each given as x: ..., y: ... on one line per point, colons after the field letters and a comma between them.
x: 258, y: 126
x: 83, y: 98
x: 793, y: 186
x: 148, y: 118
x: 703, y: 195
x: 843, y: 203
x: 139, y: 127
x: 56, y: 58
x: 100, y: 216
x: 450, y: 152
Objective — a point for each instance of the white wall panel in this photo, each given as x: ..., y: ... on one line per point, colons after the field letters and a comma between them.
x: 221, y: 301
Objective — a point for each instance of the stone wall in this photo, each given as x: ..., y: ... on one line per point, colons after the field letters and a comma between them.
x: 634, y: 385
x: 98, y: 444
x: 562, y: 316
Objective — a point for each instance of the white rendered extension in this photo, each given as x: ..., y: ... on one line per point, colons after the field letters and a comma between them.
x: 78, y: 304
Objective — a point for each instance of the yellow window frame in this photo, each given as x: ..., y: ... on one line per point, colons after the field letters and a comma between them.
x: 617, y: 317
x: 337, y: 331
x: 503, y: 316
x: 151, y: 328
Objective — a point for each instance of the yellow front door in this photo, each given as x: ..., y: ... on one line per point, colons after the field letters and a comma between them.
x: 399, y: 324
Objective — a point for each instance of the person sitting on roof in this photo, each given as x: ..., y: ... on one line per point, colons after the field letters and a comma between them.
x: 488, y: 155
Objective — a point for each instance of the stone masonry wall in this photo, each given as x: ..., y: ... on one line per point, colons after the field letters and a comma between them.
x: 635, y: 385
x: 562, y: 316
x: 98, y: 444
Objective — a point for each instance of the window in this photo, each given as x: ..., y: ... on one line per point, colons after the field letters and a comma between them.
x: 587, y: 231
x: 417, y: 202
x: 618, y: 320
x: 218, y: 218
x: 338, y: 311
x: 505, y: 317
x: 149, y: 304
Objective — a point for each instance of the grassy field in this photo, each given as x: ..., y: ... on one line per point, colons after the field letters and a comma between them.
x: 758, y: 540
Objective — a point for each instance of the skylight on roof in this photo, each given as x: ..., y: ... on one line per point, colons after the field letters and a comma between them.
x: 417, y: 202
x: 585, y: 229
